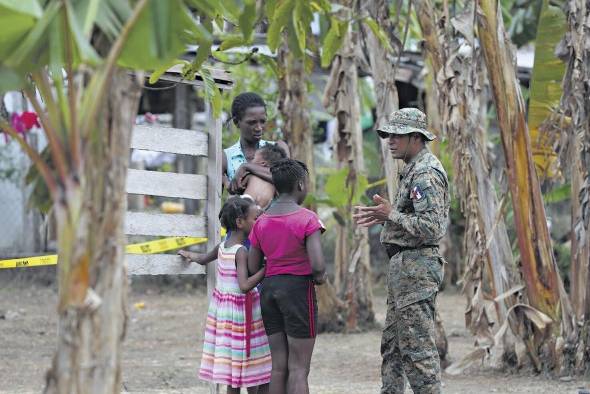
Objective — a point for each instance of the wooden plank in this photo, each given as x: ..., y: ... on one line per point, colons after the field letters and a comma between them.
x: 170, y: 140
x: 167, y: 184
x: 213, y: 192
x: 165, y: 224
x: 161, y: 264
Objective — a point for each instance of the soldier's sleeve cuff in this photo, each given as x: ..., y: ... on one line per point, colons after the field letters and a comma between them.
x: 394, y: 216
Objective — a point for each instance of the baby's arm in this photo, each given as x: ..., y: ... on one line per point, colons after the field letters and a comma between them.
x: 316, y: 256
x: 246, y: 283
x: 200, y: 258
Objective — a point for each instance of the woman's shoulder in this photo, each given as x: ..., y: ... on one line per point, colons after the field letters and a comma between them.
x: 233, y: 148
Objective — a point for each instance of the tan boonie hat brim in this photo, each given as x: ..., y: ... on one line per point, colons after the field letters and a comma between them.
x: 407, y: 121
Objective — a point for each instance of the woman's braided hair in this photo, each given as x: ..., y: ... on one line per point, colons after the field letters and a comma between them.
x: 286, y: 173
x: 234, y: 208
x: 242, y: 102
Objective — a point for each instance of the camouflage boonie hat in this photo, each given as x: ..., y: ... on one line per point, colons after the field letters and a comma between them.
x: 407, y: 121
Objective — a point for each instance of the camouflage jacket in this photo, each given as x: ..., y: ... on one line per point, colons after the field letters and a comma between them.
x: 419, y: 217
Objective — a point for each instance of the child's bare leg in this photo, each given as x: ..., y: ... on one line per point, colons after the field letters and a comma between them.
x: 279, y: 353
x: 300, y: 350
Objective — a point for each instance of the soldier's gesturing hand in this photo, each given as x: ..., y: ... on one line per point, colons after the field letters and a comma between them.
x: 368, y: 216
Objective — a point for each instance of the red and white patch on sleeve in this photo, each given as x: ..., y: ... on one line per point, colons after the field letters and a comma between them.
x: 416, y: 193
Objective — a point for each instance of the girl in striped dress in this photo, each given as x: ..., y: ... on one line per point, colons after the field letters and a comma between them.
x: 236, y: 351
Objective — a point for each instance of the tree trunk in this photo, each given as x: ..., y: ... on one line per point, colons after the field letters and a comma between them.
x: 294, y: 109
x: 341, y: 99
x: 383, y: 74
x: 456, y: 63
x: 576, y: 90
x: 543, y: 284
x: 92, y: 275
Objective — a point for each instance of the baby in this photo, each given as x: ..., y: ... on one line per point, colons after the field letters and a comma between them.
x: 256, y: 188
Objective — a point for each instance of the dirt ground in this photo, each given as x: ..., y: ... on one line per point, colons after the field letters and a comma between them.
x: 164, y: 341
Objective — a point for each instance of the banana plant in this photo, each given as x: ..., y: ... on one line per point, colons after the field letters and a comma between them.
x: 72, y: 60
x: 546, y: 89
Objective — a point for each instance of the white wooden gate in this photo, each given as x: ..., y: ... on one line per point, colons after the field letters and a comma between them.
x: 168, y: 184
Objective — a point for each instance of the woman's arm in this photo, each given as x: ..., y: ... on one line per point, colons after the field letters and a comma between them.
x: 246, y: 283
x: 316, y: 257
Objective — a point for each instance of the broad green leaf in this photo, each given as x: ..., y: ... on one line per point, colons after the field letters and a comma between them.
x: 293, y: 42
x: 10, y: 80
x: 280, y: 19
x: 25, y: 56
x: 158, y: 72
x: 232, y: 42
x: 231, y: 10
x: 144, y: 48
x: 299, y: 25
x: 247, y: 19
x: 559, y: 194
x: 269, y: 8
x: 111, y: 16
x: 212, y: 93
x: 269, y: 62
x: 546, y: 90
x: 333, y: 41
x: 322, y: 6
x: 86, y: 51
x: 17, y: 18
x: 161, y: 20
x: 335, y: 187
x: 208, y: 8
x: 86, y: 12
x: 379, y: 33
x: 342, y: 195
x: 203, y: 53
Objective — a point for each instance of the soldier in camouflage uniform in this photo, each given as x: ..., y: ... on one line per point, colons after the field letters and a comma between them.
x: 412, y: 229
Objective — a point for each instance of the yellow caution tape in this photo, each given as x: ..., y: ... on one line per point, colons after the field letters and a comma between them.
x: 29, y: 261
x: 150, y: 247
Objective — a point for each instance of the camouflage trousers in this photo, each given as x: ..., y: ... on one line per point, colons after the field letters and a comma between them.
x: 409, y: 350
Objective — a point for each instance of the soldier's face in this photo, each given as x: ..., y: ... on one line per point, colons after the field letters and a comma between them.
x: 398, y: 145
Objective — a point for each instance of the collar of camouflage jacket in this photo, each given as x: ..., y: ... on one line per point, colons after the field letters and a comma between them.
x: 410, y: 165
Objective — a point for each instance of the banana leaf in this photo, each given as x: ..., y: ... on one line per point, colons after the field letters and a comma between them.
x: 546, y: 90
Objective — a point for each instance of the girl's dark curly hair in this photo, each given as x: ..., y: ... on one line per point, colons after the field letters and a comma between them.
x: 286, y: 173
x: 234, y: 208
x: 242, y: 102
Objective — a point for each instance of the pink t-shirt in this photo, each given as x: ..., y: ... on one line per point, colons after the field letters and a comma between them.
x: 281, y: 238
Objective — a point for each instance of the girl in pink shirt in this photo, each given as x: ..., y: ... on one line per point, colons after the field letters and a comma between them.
x: 288, y: 235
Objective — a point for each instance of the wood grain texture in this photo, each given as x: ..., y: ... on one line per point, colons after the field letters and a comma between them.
x: 167, y: 184
x: 163, y: 224
x: 161, y: 264
x: 170, y: 140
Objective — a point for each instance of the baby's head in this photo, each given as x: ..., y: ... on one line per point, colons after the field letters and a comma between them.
x: 269, y: 155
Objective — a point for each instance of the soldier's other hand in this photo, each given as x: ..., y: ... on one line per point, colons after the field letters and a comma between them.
x: 368, y: 216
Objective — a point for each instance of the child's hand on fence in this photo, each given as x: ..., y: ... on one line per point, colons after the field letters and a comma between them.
x: 190, y: 257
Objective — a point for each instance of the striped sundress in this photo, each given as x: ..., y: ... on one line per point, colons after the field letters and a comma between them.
x: 232, y: 354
